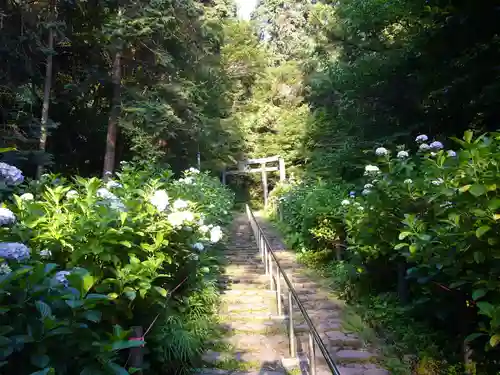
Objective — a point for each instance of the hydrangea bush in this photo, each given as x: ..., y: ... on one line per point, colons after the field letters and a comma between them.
x: 138, y: 235
x: 424, y: 220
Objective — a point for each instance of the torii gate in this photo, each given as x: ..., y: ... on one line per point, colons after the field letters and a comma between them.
x: 244, y: 167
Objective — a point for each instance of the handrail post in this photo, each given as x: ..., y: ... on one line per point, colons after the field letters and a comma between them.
x: 271, y: 286
x: 278, y: 291
x: 291, y: 330
x: 312, y: 353
x: 266, y: 255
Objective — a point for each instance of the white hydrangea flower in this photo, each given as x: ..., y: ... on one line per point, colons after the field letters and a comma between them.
x: 105, y: 194
x: 198, y: 246
x: 215, y: 234
x: 204, y: 229
x: 180, y: 204
x: 365, y: 192
x: 424, y: 147
x: 403, y: 154
x: 368, y: 186
x: 178, y: 218
x: 117, y: 204
x: 451, y: 153
x: 188, y: 180
x: 113, y: 184
x: 372, y: 169
x: 361, y: 208
x: 5, y: 269
x: 421, y: 138
x: 159, y: 200
x: 193, y: 256
x: 7, y: 217
x: 193, y: 170
x: 437, y: 182
x: 72, y: 194
x: 408, y: 181
x: 27, y: 197
x: 381, y: 151
x: 345, y: 202
x: 45, y: 254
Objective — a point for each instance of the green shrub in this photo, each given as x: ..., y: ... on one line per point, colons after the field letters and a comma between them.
x: 146, y: 245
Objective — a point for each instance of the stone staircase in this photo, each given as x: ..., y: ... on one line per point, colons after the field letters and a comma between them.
x: 255, y: 340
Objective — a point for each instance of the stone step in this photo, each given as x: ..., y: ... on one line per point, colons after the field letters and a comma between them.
x: 245, y: 279
x: 257, y: 342
x: 243, y: 299
x: 209, y: 371
x: 229, y: 285
x: 243, y: 360
x: 330, y: 325
x: 233, y: 317
x: 264, y: 326
x: 248, y: 292
x: 230, y: 308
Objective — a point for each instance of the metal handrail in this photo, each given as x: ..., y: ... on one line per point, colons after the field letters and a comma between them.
x: 267, y: 255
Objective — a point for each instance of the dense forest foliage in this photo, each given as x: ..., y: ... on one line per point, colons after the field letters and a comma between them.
x: 85, y: 85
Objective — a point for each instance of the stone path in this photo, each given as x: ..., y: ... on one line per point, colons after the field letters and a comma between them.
x: 256, y: 341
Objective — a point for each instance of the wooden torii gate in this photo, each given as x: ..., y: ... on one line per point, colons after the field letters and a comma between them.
x: 244, y: 166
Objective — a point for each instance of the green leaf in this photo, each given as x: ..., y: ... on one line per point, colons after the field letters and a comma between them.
x: 4, y: 330
x: 45, y: 371
x: 478, y: 293
x: 120, y: 345
x: 74, y: 304
x: 39, y: 360
x: 477, y: 190
x: 93, y: 315
x: 130, y: 293
x: 485, y: 308
x: 44, y: 309
x: 473, y: 336
x: 479, y: 257
x: 413, y: 249
x: 494, y: 340
x: 117, y: 370
x: 494, y: 204
x: 126, y: 244
x: 457, y: 284
x: 403, y: 235
x: 400, y: 246
x: 482, y: 230
x: 162, y: 291
x: 464, y: 188
x: 468, y: 136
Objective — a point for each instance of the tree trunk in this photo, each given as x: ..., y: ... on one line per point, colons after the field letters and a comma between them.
x: 109, y: 156
x: 46, y: 94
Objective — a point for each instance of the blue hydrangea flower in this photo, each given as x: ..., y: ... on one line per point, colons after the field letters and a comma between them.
x: 10, y: 174
x: 60, y: 277
x: 352, y: 194
x: 436, y: 145
x: 7, y: 217
x: 451, y: 153
x: 14, y: 251
x: 198, y: 246
x: 421, y: 138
